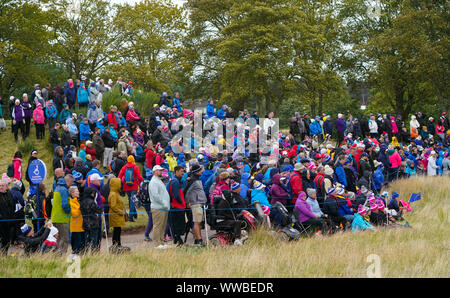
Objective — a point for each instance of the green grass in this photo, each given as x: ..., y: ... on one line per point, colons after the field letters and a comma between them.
x: 421, y: 251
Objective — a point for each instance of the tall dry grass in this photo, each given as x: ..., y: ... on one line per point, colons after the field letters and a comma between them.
x: 422, y: 251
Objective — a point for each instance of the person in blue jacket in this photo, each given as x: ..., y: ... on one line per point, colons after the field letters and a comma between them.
x: 82, y: 95
x: 140, y: 154
x: 85, y: 130
x: 177, y: 102
x: 360, y: 222
x: 222, y: 113
x: 121, y: 122
x: 208, y: 172
x: 51, y: 114
x: 258, y: 194
x: 210, y: 109
x: 315, y: 128
x: 101, y: 124
x: 439, y: 162
x: 378, y: 177
x: 340, y: 172
x: 245, y: 185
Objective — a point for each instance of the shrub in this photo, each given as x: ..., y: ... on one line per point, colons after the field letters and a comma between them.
x: 26, y: 146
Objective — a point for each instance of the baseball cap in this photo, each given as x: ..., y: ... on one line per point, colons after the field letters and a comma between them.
x: 158, y: 168
x: 95, y: 176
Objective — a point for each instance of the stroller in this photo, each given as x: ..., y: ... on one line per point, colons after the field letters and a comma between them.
x: 282, y: 222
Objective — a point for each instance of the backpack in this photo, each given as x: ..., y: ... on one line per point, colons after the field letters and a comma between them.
x: 143, y: 195
x: 10, y: 171
x: 320, y: 187
x: 112, y: 166
x: 289, y: 188
x: 129, y: 176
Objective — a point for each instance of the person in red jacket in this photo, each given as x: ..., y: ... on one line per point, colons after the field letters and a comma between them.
x: 177, y: 206
x: 131, y: 178
x: 131, y: 115
x: 150, y: 155
x: 90, y: 150
x: 112, y: 117
x: 295, y: 181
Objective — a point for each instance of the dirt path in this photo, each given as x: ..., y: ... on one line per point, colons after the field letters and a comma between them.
x: 132, y: 239
x: 135, y: 240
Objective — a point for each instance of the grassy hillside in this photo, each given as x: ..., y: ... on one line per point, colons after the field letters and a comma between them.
x: 8, y: 147
x: 421, y: 251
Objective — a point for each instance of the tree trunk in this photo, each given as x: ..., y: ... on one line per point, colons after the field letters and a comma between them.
x: 267, y: 104
x: 320, y: 102
x: 313, y: 110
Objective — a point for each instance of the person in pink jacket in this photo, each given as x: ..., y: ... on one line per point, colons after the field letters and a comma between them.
x: 303, y: 212
x: 39, y: 121
x: 17, y: 164
x: 394, y: 125
x: 396, y: 160
x: 440, y: 128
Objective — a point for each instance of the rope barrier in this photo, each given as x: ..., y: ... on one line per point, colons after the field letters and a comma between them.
x: 146, y: 212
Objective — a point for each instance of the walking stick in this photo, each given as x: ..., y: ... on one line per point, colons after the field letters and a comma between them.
x: 106, y: 232
x: 206, y: 225
x: 188, y: 224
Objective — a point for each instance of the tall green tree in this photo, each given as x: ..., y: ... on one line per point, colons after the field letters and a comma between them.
x: 23, y: 45
x: 402, y: 53
x: 85, y: 38
x: 152, y: 30
x: 199, y: 54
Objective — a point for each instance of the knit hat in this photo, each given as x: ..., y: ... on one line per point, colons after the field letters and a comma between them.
x: 77, y: 176
x: 395, y: 195
x: 259, y: 177
x: 331, y: 190
x: 130, y: 159
x: 235, y: 186
x: 25, y: 229
x: 301, y: 194
x: 380, y: 204
x: 196, y: 168
x: 373, y: 207
x: 361, y: 210
x: 310, y: 191
x: 258, y: 185
x: 82, y: 146
x: 328, y: 170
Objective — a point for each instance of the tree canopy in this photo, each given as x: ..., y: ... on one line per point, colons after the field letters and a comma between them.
x: 247, y: 54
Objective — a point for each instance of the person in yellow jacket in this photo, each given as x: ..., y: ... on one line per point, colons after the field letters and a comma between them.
x: 172, y: 161
x: 395, y: 143
x: 116, y: 214
x: 77, y: 239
